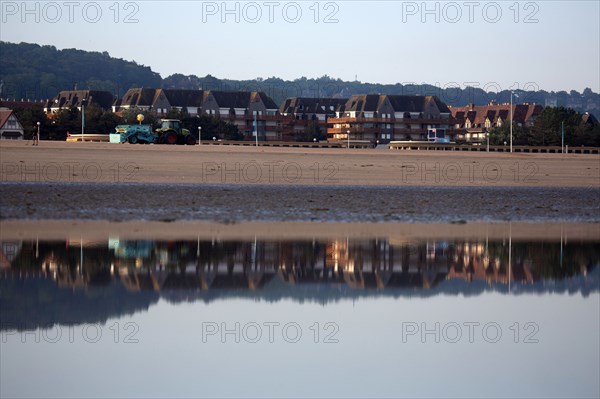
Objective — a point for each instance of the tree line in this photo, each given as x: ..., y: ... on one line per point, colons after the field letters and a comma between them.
x: 547, y: 130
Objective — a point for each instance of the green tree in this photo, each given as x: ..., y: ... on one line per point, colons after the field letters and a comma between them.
x: 548, y: 124
x: 174, y: 113
x: 108, y: 121
x: 311, y: 131
x: 500, y: 135
x: 129, y: 117
x: 66, y: 120
x: 211, y: 127
x: 583, y: 135
x: 29, y: 117
x: 92, y: 117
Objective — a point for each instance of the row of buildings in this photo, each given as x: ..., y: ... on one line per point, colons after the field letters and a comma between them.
x: 473, y: 122
x: 363, y: 117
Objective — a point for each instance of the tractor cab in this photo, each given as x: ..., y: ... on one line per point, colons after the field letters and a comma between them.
x: 170, y: 124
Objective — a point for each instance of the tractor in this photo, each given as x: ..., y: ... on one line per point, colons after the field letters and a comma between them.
x: 170, y: 132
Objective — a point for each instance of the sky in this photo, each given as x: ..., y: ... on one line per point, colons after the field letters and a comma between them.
x: 547, y: 45
x: 170, y: 356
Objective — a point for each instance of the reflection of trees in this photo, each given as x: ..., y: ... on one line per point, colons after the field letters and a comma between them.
x: 549, y: 263
x: 39, y: 303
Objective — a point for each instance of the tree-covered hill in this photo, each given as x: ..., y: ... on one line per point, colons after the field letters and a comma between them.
x: 326, y: 86
x: 36, y: 72
x: 30, y: 71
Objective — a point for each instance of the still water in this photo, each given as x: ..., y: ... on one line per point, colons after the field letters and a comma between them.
x: 368, y: 317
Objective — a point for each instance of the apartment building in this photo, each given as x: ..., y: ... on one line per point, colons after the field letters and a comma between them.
x: 384, y: 118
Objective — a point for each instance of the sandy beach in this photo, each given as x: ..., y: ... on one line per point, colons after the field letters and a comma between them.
x: 140, y: 190
x: 214, y: 164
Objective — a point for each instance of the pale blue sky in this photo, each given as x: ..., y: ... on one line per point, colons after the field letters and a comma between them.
x: 377, y: 41
x: 371, y: 359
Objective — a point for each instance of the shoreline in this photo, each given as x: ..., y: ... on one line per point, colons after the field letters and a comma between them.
x: 90, y: 230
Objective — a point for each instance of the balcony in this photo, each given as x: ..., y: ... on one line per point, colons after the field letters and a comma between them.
x: 421, y: 121
x: 282, y: 118
x: 374, y: 130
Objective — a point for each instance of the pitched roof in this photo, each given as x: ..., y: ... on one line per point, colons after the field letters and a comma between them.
x: 471, y: 115
x: 407, y: 103
x: 267, y: 101
x: 184, y: 98
x: 74, y: 98
x: 504, y: 114
x: 459, y: 117
x: 490, y: 115
x: 142, y: 97
x: 363, y: 103
x: 231, y: 99
x: 308, y: 105
x: 533, y: 111
x: 477, y: 114
x: 399, y: 103
x: 441, y: 105
x: 589, y: 119
x: 138, y: 97
x: 4, y: 115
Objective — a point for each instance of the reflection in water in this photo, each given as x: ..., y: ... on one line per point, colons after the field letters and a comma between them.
x: 43, y: 283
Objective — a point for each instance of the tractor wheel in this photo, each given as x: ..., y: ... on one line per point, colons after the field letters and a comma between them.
x: 132, y: 139
x: 170, y: 138
x: 190, y: 140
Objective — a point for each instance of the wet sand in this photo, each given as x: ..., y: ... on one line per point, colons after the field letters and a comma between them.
x: 276, y: 203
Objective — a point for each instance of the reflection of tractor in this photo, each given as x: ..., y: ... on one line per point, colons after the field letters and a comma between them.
x: 170, y: 132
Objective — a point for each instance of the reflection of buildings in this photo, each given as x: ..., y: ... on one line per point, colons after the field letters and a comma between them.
x: 470, y: 261
x: 8, y: 252
x: 235, y: 265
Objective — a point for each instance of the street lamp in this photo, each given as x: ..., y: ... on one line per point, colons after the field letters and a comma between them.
x: 83, y: 102
x: 511, y: 119
x: 37, y: 142
x: 199, y: 135
x: 348, y: 134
